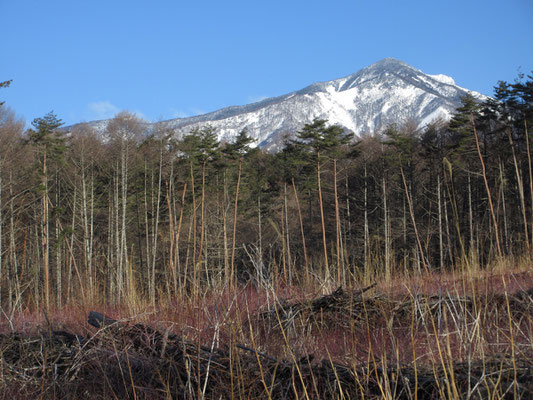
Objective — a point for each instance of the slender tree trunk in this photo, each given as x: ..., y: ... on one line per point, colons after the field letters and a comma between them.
x: 447, y: 226
x: 142, y: 261
x: 366, y: 230
x: 306, y: 259
x: 260, y: 230
x: 171, y: 236
x: 530, y: 169
x: 412, y: 214
x: 205, y: 259
x: 505, y: 230
x: 287, y: 233
x: 283, y: 242
x: 119, y: 260
x: 322, y: 218
x: 232, y: 270
x: 186, y: 277
x: 12, y: 242
x: 71, y: 258
x: 85, y: 222
x: 91, y: 238
x: 59, y: 277
x: 1, y: 239
x: 45, y: 234
x: 193, y: 227
x: 491, y: 206
x: 114, y: 238
x: 348, y: 236
x: 520, y: 183
x: 39, y: 257
x: 439, y: 204
x: 225, y: 209
x: 470, y: 219
x: 263, y: 274
x: 202, y: 216
x: 179, y: 231
x: 404, y: 222
x: 148, y: 261
x: 386, y: 230
x: 156, y: 227
x: 340, y: 264
x: 123, y: 235
x: 173, y: 221
x: 453, y: 203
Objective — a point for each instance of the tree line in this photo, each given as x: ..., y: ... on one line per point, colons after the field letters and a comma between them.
x: 124, y: 214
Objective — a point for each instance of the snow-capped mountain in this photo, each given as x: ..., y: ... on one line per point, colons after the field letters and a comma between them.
x: 389, y: 91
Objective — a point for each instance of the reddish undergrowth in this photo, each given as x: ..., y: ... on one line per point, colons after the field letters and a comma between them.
x: 224, y: 315
x: 427, y: 320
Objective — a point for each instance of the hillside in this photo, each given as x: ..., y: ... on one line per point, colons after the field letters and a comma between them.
x: 389, y: 91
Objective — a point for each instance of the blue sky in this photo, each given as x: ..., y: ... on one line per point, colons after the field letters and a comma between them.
x: 86, y: 60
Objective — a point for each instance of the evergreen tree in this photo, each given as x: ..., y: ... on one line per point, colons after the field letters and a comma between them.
x: 461, y: 141
x: 321, y: 140
x: 4, y: 84
x: 240, y: 146
x: 47, y: 135
x: 51, y: 144
x: 236, y: 151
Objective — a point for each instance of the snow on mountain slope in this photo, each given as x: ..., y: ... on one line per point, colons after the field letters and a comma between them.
x: 389, y: 91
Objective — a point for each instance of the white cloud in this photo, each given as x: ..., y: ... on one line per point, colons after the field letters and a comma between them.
x: 174, y: 113
x: 140, y: 115
x: 197, y: 111
x: 190, y: 112
x: 102, y: 110
x: 255, y: 99
x: 106, y: 110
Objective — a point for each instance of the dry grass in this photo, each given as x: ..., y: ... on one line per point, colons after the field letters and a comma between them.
x: 450, y: 335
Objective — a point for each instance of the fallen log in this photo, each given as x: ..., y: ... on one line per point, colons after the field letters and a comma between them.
x: 347, y: 307
x: 120, y: 361
x: 99, y: 320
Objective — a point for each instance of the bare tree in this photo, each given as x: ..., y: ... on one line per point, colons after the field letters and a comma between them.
x: 124, y: 130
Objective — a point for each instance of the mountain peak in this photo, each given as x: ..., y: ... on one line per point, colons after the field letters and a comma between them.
x: 388, y: 91
x: 388, y: 63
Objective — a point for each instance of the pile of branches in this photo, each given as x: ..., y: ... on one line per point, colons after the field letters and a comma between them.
x: 125, y: 361
x: 343, y: 308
